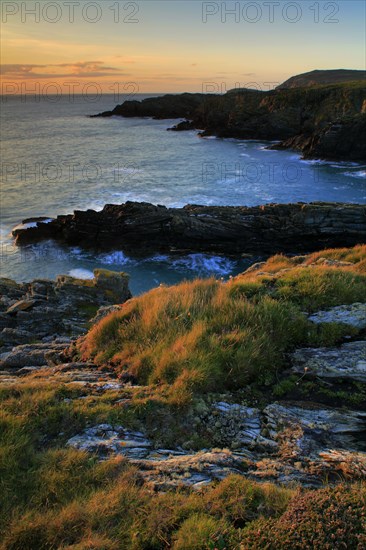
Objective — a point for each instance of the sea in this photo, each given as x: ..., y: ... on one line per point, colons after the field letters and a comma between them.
x: 56, y: 159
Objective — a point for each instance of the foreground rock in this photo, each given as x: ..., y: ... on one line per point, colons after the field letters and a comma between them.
x: 353, y: 315
x: 286, y: 442
x: 106, y: 440
x: 345, y: 362
x: 304, y: 445
x: 46, y: 310
x: 145, y: 228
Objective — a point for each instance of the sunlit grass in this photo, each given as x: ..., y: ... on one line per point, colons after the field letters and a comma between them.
x: 179, y: 342
x: 208, y: 335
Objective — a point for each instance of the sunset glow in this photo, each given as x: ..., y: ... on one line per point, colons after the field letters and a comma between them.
x: 173, y: 45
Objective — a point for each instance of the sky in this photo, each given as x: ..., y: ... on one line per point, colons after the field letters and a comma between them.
x: 150, y: 46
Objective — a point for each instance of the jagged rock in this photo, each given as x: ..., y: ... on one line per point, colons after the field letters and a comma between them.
x: 32, y: 355
x: 348, y: 465
x: 15, y: 336
x: 145, y: 228
x: 346, y: 361
x: 237, y: 423
x: 316, y: 428
x: 353, y: 315
x: 46, y: 310
x: 106, y: 439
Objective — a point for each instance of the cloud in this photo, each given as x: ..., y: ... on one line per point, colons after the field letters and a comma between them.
x: 80, y: 69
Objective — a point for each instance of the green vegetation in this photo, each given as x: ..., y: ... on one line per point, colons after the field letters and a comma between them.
x: 326, y: 519
x: 206, y: 336
x: 182, y: 342
x: 58, y: 498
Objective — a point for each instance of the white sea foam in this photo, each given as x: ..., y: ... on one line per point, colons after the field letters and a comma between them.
x: 358, y: 174
x: 115, y: 258
x: 84, y: 274
x: 205, y: 264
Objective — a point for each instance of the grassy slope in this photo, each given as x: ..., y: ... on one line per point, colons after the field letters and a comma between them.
x: 195, y: 337
x: 209, y: 336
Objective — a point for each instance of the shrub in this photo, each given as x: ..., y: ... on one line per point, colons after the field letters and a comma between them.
x: 330, y: 519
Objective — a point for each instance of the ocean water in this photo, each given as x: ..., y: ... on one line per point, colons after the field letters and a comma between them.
x: 55, y: 159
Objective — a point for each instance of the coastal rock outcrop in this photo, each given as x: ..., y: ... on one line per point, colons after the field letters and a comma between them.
x: 325, y: 121
x: 167, y: 106
x: 142, y: 228
x: 44, y: 310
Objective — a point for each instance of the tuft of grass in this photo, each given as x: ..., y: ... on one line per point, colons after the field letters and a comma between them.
x: 197, y: 336
x: 207, y: 336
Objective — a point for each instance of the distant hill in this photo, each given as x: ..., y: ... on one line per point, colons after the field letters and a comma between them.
x: 316, y: 78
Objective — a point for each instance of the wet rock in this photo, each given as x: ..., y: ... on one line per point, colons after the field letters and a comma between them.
x: 145, y: 228
x: 347, y: 361
x: 353, y: 315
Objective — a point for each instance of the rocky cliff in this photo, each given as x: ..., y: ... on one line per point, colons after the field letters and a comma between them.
x: 167, y: 106
x: 325, y: 121
x: 145, y: 228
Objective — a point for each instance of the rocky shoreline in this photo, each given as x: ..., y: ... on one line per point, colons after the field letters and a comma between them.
x: 46, y: 311
x: 322, y: 122
x: 143, y: 228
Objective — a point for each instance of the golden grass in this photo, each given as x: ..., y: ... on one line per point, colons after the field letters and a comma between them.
x: 207, y: 335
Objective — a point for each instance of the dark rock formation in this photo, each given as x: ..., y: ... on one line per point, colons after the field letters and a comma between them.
x: 322, y: 121
x: 46, y: 310
x: 167, y: 106
x: 145, y: 228
x: 343, y: 140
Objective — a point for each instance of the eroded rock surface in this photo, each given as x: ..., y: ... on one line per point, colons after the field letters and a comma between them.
x: 105, y: 440
x: 353, y: 315
x: 146, y: 229
x: 285, y: 442
x: 346, y: 361
x: 46, y: 310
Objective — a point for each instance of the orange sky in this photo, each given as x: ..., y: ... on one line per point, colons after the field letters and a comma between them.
x: 156, y: 46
